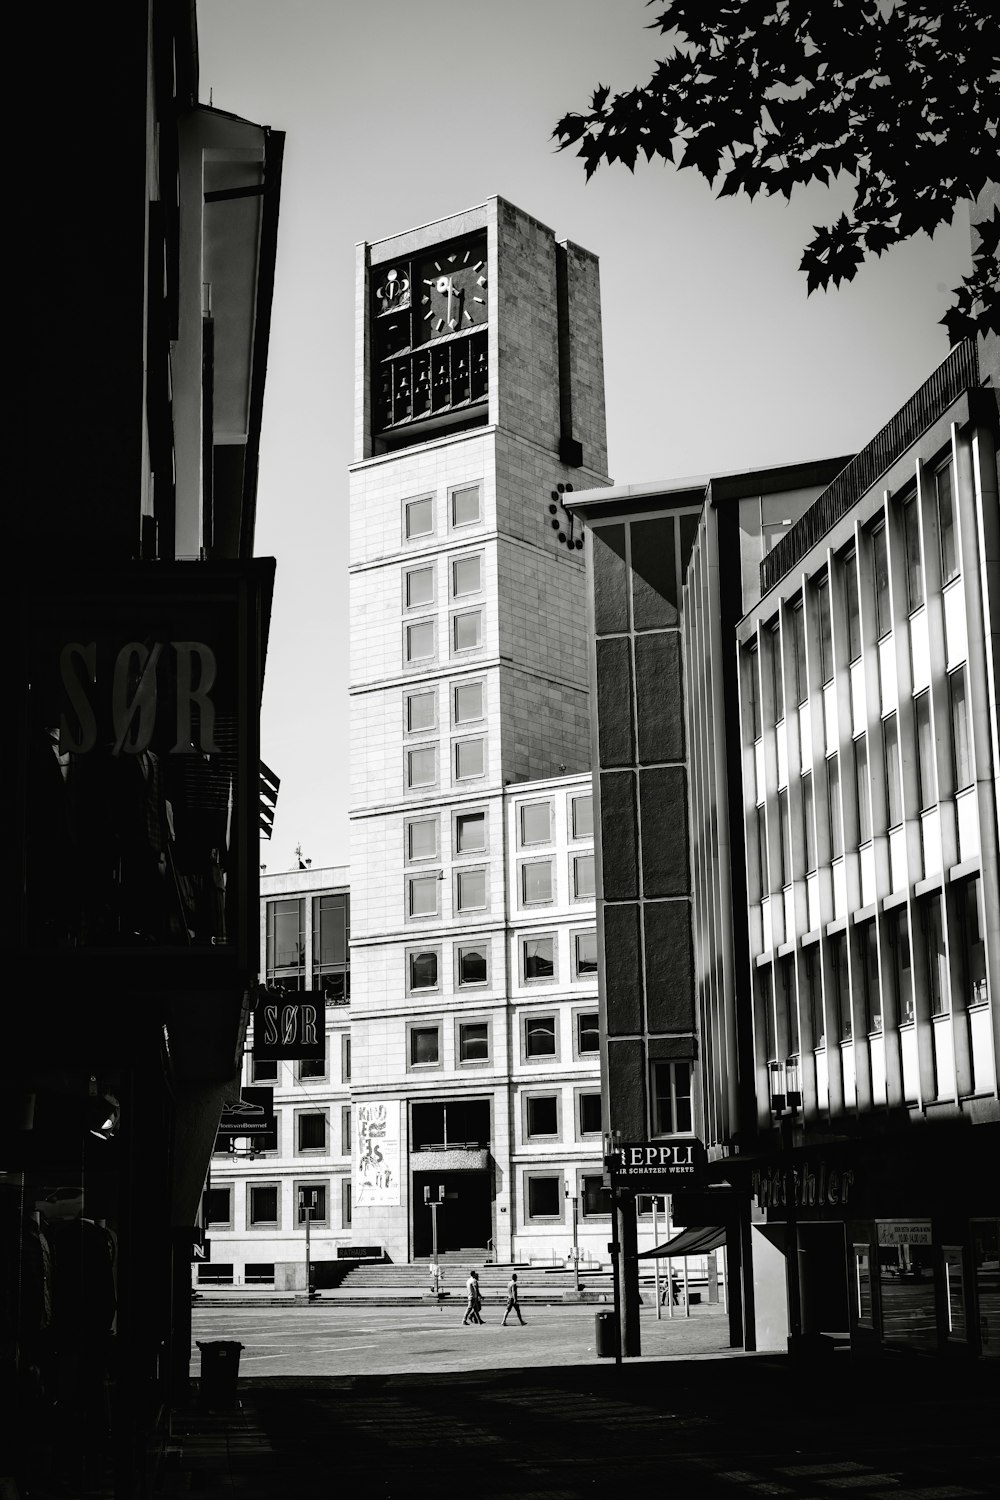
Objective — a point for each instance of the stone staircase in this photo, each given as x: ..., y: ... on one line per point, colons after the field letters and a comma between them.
x: 383, y: 1281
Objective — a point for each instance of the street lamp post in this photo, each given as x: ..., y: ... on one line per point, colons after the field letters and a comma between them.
x: 576, y: 1250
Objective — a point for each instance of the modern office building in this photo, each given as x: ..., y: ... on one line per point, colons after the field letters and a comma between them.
x: 137, y: 619
x: 479, y: 407
x: 839, y: 648
x: 261, y: 1189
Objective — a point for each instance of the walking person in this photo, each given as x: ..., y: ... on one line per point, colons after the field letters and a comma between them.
x: 512, y: 1303
x: 474, y: 1300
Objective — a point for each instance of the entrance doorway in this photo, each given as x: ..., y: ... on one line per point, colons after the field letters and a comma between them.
x: 823, y: 1278
x: 465, y: 1219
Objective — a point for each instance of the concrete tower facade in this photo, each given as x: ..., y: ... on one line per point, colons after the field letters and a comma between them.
x: 480, y: 403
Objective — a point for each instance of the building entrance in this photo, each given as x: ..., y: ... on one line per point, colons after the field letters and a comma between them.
x: 465, y: 1219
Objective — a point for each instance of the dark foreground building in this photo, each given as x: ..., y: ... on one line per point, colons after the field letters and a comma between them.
x: 798, y: 907
x: 136, y: 618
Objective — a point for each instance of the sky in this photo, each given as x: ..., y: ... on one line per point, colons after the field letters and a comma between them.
x: 397, y: 114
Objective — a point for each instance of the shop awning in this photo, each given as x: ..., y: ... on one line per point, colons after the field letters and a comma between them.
x: 689, y: 1242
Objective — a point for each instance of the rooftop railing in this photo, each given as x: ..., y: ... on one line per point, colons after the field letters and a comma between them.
x: 958, y: 373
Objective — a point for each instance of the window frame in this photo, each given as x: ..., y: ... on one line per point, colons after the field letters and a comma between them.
x: 421, y: 749
x: 460, y: 815
x: 428, y: 1026
x: 531, y: 1019
x: 461, y: 1022
x: 591, y: 976
x: 579, y: 1013
x: 892, y: 770
x: 881, y: 589
x: 460, y: 874
x: 575, y: 861
x: 421, y: 819
x: 454, y: 490
x: 409, y: 626
x: 558, y: 1178
x: 311, y: 1185
x: 575, y: 836
x: 472, y: 984
x: 416, y: 951
x: 253, y: 1186
x: 454, y: 617
x: 409, y: 696
x: 535, y: 937
x: 456, y: 749
x: 910, y: 519
x: 535, y: 1096
x: 656, y: 1095
x: 580, y: 1094
x: 311, y: 1112
x: 532, y: 803
x: 418, y: 536
x: 453, y: 563
x: 430, y: 878
x: 523, y: 898
x: 948, y: 574
x: 409, y: 571
x: 346, y: 1130
x: 962, y: 781
x: 927, y: 777
x: 211, y: 1221
x: 852, y: 606
x: 457, y: 721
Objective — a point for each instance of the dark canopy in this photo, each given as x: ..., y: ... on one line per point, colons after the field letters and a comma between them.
x: 689, y: 1242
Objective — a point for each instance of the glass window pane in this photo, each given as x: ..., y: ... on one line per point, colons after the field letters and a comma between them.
x: 893, y: 786
x: 537, y: 881
x: 286, y: 947
x: 777, y: 676
x: 465, y: 505
x: 960, y: 748
x: 423, y: 1045
x: 421, y: 711
x: 938, y: 988
x: 468, y: 702
x: 825, y: 631
x: 833, y: 807
x: 926, y: 774
x: 873, y: 981
x: 591, y: 1115
x: 420, y: 641
x: 976, y: 991
x: 421, y: 767
x: 470, y: 832
x: 914, y: 571
x: 538, y: 958
x: 544, y: 1200
x: 540, y: 1036
x: 799, y: 653
x: 588, y: 1031
x: 784, y: 853
x: 586, y: 953
x: 422, y: 838
x: 900, y: 934
x: 329, y: 930
x: 468, y: 630
x: 472, y: 965
x: 474, y: 1041
x: 763, y: 868
x: 853, y: 610
x: 466, y: 575
x: 946, y: 523
x: 312, y: 1132
x: 424, y: 970
x: 423, y: 895
x: 842, y: 986
x: 880, y: 563
x: 536, y: 822
x: 419, y: 586
x: 542, y: 1115
x: 583, y: 817
x: 862, y: 789
x: 419, y: 517
x: 808, y: 822
x: 470, y: 758
x: 753, y: 691
x: 471, y: 890
x: 583, y: 876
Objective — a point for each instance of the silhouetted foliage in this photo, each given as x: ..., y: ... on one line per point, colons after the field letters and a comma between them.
x: 901, y: 96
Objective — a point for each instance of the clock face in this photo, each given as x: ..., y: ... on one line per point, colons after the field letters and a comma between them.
x: 450, y: 294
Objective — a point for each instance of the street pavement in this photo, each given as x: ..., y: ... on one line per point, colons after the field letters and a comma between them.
x: 686, y: 1423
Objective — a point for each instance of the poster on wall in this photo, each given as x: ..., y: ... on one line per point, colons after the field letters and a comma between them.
x: 376, y: 1168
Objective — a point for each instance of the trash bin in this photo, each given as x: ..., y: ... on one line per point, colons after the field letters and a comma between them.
x: 220, y: 1369
x: 605, y: 1334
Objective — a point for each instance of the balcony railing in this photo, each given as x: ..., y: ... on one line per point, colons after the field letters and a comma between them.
x: 958, y: 373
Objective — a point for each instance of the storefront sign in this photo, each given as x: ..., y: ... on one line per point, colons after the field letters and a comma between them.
x: 814, y: 1186
x: 252, y: 1114
x: 658, y: 1166
x: 290, y: 1025
x: 376, y: 1162
x: 898, y: 1232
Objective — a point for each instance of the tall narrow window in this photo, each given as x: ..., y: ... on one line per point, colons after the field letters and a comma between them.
x: 873, y: 980
x: 974, y: 955
x: 893, y: 787
x: 899, y: 936
x: 833, y: 806
x: 777, y: 679
x: 799, y: 654
x: 843, y: 986
x: 863, y: 790
x: 852, y: 606
x: 753, y: 692
x: 947, y: 535
x: 784, y: 852
x: 789, y: 1008
x: 914, y: 562
x: 808, y: 822
x: 763, y: 871
x: 880, y: 565
x: 938, y: 989
x: 825, y: 630
x: 961, y: 753
x: 672, y: 1098
x: 813, y: 981
x: 926, y: 775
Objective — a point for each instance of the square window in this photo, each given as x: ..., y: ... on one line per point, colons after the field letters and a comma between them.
x: 470, y: 759
x: 310, y: 1130
x: 470, y: 832
x: 418, y: 586
x: 468, y: 702
x: 472, y: 965
x: 418, y: 517
x: 466, y: 575
x: 264, y: 1070
x: 311, y: 1067
x: 538, y: 958
x: 585, y: 954
x: 422, y: 895
x: 588, y: 1032
x: 467, y: 630
x: 536, y: 823
x: 465, y: 505
x: 545, y: 1195
x: 421, y: 839
x: 582, y: 816
x: 422, y: 966
x: 591, y: 1115
x: 583, y: 877
x: 536, y: 882
x: 424, y: 1046
x: 217, y: 1207
x: 421, y: 766
x: 539, y: 1036
x: 421, y: 711
x: 310, y: 1202
x: 263, y: 1204
x: 470, y: 890
x: 473, y: 1041
x: 542, y: 1115
x: 420, y: 641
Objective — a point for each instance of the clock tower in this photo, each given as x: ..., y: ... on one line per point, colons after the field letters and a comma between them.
x: 479, y: 409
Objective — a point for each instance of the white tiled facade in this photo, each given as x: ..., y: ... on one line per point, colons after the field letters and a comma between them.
x: 469, y: 680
